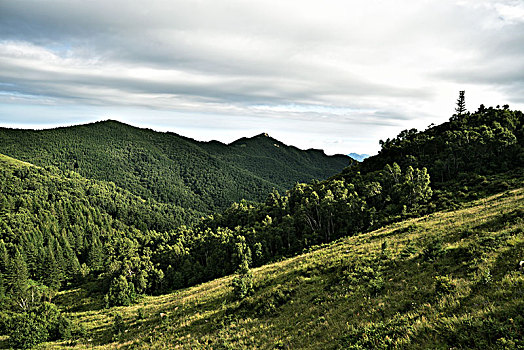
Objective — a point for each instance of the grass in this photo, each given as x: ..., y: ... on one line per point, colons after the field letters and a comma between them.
x: 446, y: 280
x: 6, y: 160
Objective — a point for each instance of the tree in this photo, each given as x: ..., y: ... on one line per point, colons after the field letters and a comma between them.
x: 4, y: 257
x: 243, y: 283
x: 17, y: 280
x: 121, y: 292
x: 461, y: 103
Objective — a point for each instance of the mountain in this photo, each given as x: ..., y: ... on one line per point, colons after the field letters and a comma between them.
x: 60, y: 231
x: 204, y: 176
x: 358, y: 157
x: 447, y: 280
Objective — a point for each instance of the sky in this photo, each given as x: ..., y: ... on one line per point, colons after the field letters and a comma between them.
x: 331, y: 75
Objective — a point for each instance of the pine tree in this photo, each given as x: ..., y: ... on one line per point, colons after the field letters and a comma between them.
x: 461, y: 104
x: 95, y: 256
x: 53, y: 274
x: 17, y: 280
x: 4, y: 257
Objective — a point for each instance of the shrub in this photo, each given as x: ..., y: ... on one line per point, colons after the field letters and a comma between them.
x: 118, y: 325
x: 433, y: 251
x: 63, y: 328
x: 376, y: 285
x: 26, y: 330
x: 408, y: 250
x: 140, y: 314
x: 444, y: 285
x: 46, y: 323
x: 243, y: 285
x: 121, y: 292
x: 272, y: 301
x: 484, y: 276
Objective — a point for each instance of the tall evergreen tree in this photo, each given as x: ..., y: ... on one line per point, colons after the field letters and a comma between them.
x: 53, y: 273
x: 4, y: 256
x: 461, y: 103
x: 17, y: 280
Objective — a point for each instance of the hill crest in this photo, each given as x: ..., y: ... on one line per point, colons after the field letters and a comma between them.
x: 167, y: 167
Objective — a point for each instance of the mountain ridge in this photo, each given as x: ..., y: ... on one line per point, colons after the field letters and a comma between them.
x: 169, y: 167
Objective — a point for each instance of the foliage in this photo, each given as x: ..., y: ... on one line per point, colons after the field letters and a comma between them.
x: 346, y: 294
x: 243, y: 285
x: 59, y: 230
x: 118, y: 326
x: 444, y: 285
x: 74, y: 229
x: 120, y: 292
x: 469, y: 147
x: 42, y: 324
x: 171, y: 169
x: 461, y: 104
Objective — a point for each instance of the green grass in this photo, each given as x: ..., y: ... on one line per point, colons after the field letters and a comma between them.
x: 447, y: 280
x: 8, y: 161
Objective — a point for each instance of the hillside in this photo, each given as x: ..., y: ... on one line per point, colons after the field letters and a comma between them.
x: 449, y: 279
x: 485, y: 142
x: 65, y: 228
x: 61, y: 231
x: 203, y: 176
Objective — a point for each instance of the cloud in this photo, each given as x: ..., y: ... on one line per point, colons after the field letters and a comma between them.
x: 372, y: 66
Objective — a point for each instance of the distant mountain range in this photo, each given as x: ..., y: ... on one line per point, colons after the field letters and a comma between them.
x: 169, y: 168
x: 358, y: 157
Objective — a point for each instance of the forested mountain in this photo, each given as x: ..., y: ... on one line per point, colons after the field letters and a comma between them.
x: 204, y: 176
x: 60, y: 229
x: 64, y: 225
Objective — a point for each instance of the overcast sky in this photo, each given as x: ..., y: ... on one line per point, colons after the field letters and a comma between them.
x: 335, y: 75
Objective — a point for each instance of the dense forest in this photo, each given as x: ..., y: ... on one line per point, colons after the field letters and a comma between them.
x: 203, y: 176
x: 104, y: 214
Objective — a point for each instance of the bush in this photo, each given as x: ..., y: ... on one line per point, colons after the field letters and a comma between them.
x: 433, y: 251
x: 444, y: 285
x: 118, y: 325
x: 243, y: 285
x: 46, y: 323
x: 63, y: 328
x: 140, y: 315
x: 376, y: 285
x: 484, y: 276
x: 408, y: 250
x: 26, y: 330
x: 121, y: 292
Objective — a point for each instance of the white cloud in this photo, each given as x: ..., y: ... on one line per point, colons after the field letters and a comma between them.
x: 353, y: 71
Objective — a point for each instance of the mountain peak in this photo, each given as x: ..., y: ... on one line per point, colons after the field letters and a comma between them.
x: 358, y: 157
x: 262, y: 134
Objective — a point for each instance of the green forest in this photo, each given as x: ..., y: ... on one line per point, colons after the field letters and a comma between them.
x: 203, y: 176
x: 123, y: 213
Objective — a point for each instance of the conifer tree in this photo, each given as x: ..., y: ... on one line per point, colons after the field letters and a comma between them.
x: 461, y: 103
x: 53, y: 274
x: 17, y: 280
x: 95, y: 255
x: 4, y: 256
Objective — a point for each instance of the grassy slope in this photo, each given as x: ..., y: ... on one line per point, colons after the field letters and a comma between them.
x: 351, y: 291
x: 6, y: 161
